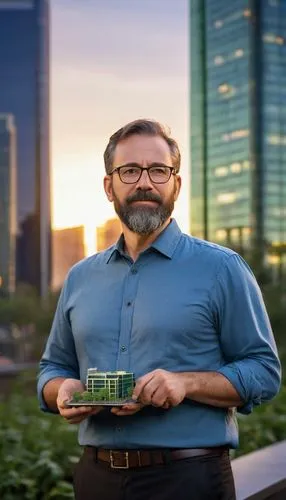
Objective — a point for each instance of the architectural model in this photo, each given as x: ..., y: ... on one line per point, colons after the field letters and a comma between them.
x: 106, y: 388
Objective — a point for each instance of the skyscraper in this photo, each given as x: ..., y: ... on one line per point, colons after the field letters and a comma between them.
x: 8, y: 217
x: 24, y: 92
x: 238, y: 124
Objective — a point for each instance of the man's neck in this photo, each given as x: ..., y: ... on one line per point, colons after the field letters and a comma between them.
x: 136, y: 243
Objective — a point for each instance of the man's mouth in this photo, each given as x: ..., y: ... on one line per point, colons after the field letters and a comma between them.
x: 144, y: 202
x: 144, y: 199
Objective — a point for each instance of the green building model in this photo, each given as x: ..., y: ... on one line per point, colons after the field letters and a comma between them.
x: 106, y: 387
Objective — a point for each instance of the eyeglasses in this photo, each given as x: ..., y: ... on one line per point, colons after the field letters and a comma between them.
x: 158, y: 174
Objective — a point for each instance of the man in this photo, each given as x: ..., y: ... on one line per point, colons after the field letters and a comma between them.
x: 185, y: 315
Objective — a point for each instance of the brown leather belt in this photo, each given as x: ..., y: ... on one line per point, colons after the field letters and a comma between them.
x: 126, y: 459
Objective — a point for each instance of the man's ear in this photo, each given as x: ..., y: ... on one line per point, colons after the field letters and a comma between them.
x: 107, y: 184
x: 178, y: 181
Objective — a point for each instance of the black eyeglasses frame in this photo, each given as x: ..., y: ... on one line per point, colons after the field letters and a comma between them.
x: 172, y: 170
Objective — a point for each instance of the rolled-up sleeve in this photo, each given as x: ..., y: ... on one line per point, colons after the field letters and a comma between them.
x: 59, y: 358
x: 251, y: 360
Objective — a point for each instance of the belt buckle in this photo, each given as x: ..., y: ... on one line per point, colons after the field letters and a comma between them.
x: 112, y: 458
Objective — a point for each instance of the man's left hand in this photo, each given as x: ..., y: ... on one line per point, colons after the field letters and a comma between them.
x: 160, y: 388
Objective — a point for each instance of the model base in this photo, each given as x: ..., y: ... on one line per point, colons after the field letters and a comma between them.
x: 117, y: 402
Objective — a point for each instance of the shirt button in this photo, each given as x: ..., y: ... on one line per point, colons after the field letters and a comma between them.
x: 123, y: 348
x: 129, y: 303
x: 134, y: 271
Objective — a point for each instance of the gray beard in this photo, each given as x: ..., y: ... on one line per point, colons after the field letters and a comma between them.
x: 144, y: 220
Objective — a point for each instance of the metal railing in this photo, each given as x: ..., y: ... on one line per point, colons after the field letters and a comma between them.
x: 261, y: 475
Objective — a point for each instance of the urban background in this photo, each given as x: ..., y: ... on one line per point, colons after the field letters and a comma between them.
x: 72, y: 73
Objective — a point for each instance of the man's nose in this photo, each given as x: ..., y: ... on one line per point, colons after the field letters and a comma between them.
x: 144, y: 181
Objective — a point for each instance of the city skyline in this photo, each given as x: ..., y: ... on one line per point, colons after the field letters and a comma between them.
x: 24, y: 93
x: 123, y: 64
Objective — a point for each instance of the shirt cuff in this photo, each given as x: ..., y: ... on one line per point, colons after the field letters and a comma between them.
x: 248, y: 388
x: 44, y: 378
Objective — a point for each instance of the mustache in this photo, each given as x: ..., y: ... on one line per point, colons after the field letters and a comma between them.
x: 143, y: 196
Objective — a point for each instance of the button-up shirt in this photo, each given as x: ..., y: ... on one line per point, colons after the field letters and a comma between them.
x: 185, y: 305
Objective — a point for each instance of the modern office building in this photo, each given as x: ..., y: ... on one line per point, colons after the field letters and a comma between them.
x: 67, y: 249
x: 238, y: 125
x: 24, y: 92
x: 114, y: 385
x: 8, y: 215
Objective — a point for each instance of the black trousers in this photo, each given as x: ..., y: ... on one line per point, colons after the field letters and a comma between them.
x: 200, y: 478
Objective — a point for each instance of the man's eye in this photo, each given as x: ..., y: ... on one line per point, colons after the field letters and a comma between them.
x: 130, y: 171
x: 159, y: 170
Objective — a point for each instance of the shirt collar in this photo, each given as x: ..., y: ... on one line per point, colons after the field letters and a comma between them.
x: 166, y: 242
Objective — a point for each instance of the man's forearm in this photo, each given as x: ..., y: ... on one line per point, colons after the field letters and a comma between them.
x: 50, y: 392
x: 211, y: 388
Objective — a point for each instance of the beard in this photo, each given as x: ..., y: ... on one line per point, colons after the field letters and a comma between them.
x: 143, y: 220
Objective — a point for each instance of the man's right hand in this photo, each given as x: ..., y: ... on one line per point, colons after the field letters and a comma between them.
x: 73, y: 415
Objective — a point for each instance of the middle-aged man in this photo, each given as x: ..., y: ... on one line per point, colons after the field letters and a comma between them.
x: 185, y: 315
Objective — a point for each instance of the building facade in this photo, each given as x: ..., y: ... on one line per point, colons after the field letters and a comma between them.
x: 8, y: 209
x: 67, y: 249
x: 24, y: 92
x: 108, y: 234
x: 238, y: 125
x: 114, y: 385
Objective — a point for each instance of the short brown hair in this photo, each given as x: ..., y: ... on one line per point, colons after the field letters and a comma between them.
x: 141, y: 127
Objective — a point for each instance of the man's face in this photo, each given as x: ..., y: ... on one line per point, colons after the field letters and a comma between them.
x: 143, y: 206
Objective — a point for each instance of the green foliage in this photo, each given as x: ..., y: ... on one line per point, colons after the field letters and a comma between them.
x: 77, y: 396
x: 85, y: 396
x: 129, y: 392
x: 100, y: 395
x: 265, y: 426
x: 25, y: 308
x: 103, y: 395
x: 37, y: 452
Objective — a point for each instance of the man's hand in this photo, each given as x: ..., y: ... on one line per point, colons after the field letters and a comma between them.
x: 77, y: 414
x: 126, y: 409
x: 160, y: 388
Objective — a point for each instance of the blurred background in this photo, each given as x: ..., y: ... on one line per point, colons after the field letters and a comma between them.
x: 72, y: 73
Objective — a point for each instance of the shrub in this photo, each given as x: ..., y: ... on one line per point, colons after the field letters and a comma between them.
x: 37, y: 452
x: 265, y: 426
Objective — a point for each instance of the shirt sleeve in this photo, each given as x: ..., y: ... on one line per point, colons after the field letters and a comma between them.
x: 59, y: 358
x: 251, y: 361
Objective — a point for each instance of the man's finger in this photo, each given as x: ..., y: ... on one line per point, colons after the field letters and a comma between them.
x: 75, y: 411
x: 150, y: 389
x: 126, y: 410
x: 140, y: 384
x: 76, y: 415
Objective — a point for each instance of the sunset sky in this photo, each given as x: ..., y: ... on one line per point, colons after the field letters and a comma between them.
x: 112, y: 62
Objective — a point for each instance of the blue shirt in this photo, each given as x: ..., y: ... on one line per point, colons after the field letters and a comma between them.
x: 185, y: 305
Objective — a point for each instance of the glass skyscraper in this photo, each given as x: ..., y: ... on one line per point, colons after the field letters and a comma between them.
x: 24, y: 92
x: 238, y: 124
x: 8, y: 216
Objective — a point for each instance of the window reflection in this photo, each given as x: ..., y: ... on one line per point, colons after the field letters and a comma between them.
x: 235, y: 134
x: 226, y: 198
x: 273, y: 38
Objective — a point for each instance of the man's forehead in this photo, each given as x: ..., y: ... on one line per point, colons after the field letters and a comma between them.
x: 142, y: 149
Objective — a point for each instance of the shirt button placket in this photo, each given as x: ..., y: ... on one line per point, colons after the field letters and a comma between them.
x: 126, y: 324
